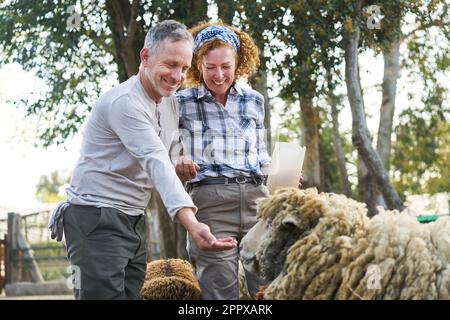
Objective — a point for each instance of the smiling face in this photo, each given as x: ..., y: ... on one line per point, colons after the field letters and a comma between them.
x: 218, y: 68
x: 165, y: 70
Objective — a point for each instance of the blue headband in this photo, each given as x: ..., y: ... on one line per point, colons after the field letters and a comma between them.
x: 217, y: 32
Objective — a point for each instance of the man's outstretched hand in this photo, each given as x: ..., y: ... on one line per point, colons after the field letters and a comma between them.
x: 206, y: 241
x: 201, y: 233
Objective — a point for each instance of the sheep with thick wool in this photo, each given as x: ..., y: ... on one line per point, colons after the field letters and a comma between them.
x: 170, y: 279
x: 323, y: 246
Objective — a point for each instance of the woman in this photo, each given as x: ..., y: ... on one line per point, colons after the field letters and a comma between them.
x: 222, y: 125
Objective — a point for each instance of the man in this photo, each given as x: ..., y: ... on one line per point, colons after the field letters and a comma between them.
x: 122, y: 159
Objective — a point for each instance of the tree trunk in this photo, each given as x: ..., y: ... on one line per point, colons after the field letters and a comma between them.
x: 226, y: 10
x: 391, y: 74
x: 340, y: 154
x: 389, y: 86
x: 127, y: 34
x: 172, y: 235
x: 190, y: 12
x: 368, y: 189
x: 310, y: 139
x: 361, y: 136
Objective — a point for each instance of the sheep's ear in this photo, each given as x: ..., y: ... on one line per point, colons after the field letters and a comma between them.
x: 290, y: 222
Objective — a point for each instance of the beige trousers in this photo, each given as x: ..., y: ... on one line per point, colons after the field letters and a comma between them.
x: 229, y: 210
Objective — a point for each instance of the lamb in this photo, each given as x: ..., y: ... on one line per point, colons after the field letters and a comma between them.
x: 170, y: 279
x: 323, y: 246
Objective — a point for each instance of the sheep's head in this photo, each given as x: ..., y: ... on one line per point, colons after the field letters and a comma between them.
x: 284, y: 218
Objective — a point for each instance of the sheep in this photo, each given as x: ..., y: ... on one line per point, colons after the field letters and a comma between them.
x: 323, y: 246
x: 170, y: 279
x: 174, y: 279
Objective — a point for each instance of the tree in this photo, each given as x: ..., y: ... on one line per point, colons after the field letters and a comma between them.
x: 248, y: 13
x: 419, y: 162
x: 361, y: 136
x: 74, y: 48
x: 421, y: 147
x: 312, y: 39
x: 301, y: 42
x: 428, y: 16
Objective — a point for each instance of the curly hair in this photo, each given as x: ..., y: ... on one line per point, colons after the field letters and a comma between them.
x: 248, y: 58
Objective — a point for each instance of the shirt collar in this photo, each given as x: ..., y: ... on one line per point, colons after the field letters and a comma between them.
x: 204, y: 92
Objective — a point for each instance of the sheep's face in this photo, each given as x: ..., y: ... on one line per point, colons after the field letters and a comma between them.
x: 283, y: 219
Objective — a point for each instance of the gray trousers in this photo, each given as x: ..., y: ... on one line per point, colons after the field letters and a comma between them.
x: 229, y: 210
x: 107, y: 249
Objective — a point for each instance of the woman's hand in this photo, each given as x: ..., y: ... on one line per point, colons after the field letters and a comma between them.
x: 186, y: 169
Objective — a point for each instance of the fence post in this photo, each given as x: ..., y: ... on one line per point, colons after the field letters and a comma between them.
x: 17, y: 243
x: 3, y: 263
x: 30, y: 263
x: 12, y: 248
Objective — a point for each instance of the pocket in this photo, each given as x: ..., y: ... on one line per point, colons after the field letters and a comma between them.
x: 89, y: 221
x: 246, y: 123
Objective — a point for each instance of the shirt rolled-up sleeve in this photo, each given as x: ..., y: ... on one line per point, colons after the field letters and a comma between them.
x: 135, y: 130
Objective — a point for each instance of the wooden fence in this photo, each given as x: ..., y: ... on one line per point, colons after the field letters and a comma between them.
x: 27, y: 253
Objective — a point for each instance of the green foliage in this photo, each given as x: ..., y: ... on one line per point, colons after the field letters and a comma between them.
x: 289, y: 129
x: 188, y: 12
x: 73, y: 62
x: 422, y: 148
x: 35, y: 35
x: 226, y: 10
x: 48, y: 187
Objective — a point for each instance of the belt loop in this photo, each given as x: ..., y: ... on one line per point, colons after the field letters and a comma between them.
x: 226, y: 180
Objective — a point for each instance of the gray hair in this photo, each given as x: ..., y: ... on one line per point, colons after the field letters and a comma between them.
x: 167, y: 29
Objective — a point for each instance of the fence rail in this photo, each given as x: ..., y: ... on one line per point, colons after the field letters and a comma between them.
x: 29, y: 254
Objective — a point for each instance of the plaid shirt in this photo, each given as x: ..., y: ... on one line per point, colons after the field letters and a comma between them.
x: 223, y: 141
